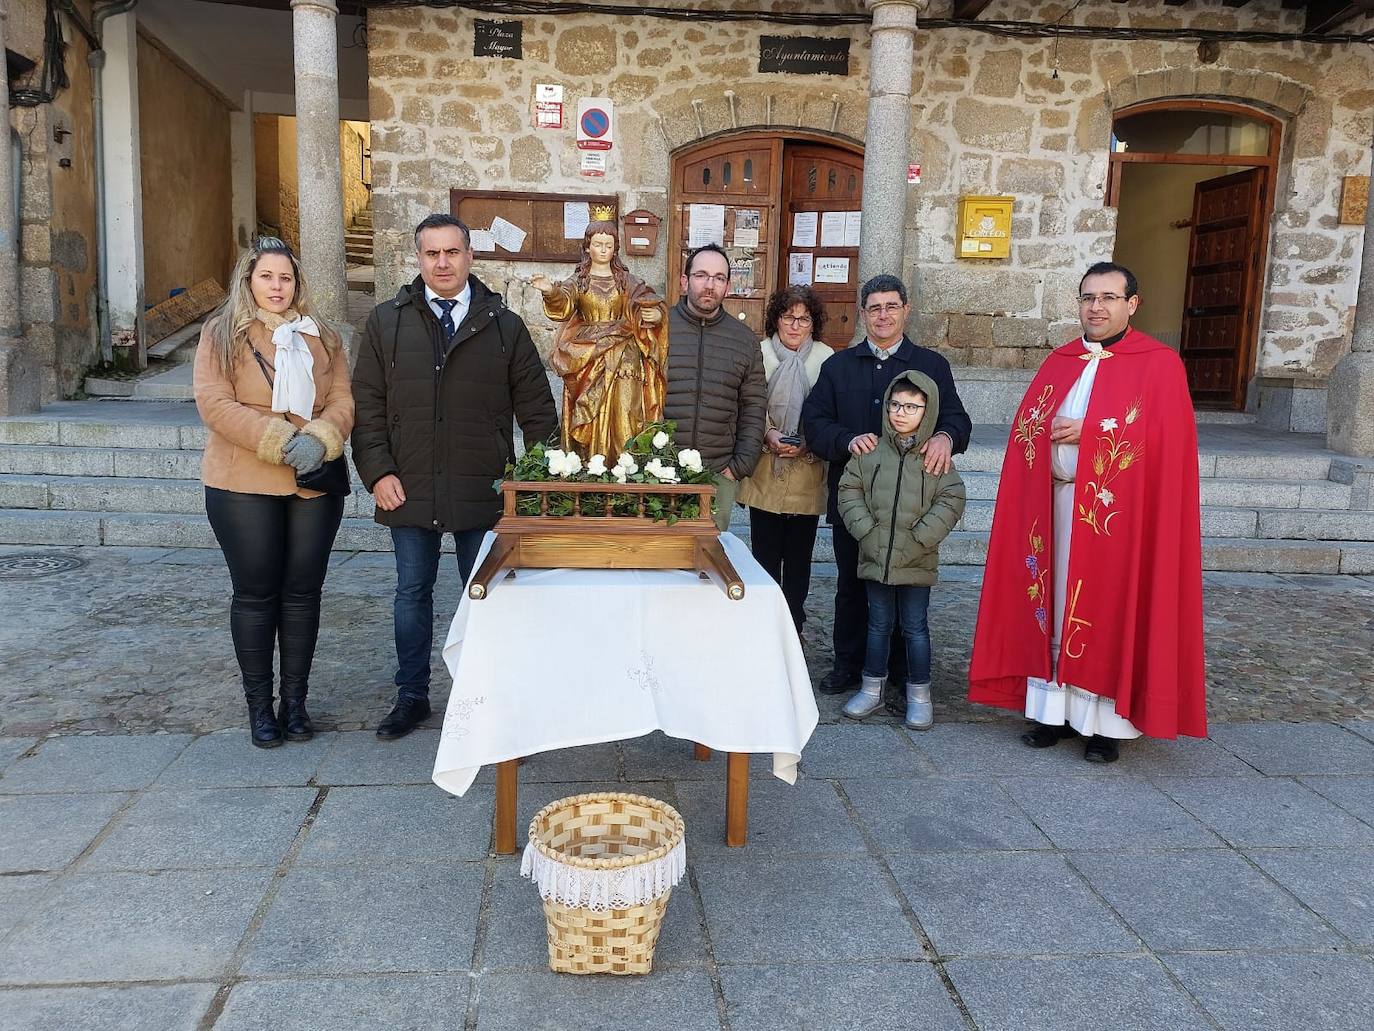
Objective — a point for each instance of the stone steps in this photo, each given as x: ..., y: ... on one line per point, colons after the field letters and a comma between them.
x: 126, y: 473
x: 184, y: 496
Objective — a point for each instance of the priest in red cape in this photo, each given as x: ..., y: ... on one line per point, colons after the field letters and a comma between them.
x: 1091, y: 615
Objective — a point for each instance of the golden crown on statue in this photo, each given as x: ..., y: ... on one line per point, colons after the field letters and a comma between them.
x: 602, y: 213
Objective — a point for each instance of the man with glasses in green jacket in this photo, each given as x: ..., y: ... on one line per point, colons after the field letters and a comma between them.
x: 843, y: 416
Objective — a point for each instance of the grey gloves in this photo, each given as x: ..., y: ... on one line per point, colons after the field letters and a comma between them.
x: 303, y: 453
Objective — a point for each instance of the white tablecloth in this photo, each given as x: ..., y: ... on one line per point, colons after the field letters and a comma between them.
x: 562, y: 657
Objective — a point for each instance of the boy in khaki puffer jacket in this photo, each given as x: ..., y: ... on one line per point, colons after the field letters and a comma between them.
x: 899, y: 515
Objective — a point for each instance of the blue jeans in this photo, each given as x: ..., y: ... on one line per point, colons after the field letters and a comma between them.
x: 417, y: 567
x: 886, y: 603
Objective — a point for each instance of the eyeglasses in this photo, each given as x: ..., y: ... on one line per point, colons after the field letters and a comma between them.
x: 796, y: 320
x: 904, y: 407
x: 883, y: 309
x: 702, y: 278
x: 1088, y: 300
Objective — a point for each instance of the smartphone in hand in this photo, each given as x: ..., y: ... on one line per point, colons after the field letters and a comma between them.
x: 792, y: 440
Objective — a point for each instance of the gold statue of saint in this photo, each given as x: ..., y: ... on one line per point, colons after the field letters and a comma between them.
x: 612, y: 350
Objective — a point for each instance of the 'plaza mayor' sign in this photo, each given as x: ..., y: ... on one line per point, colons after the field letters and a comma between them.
x: 497, y: 38
x: 804, y: 55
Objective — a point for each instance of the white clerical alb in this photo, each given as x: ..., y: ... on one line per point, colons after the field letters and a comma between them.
x: 293, y: 387
x: 1048, y: 701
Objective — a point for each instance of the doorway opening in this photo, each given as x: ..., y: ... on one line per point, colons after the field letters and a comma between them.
x: 786, y: 209
x: 1193, y: 184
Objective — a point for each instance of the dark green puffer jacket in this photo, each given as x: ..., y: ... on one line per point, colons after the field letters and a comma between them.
x: 898, y: 513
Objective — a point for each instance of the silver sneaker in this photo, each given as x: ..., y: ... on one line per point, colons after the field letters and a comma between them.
x: 920, y: 713
x: 867, y: 700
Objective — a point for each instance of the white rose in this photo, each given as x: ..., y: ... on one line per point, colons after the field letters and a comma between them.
x: 654, y: 467
x: 596, y: 465
x: 554, y: 457
x: 690, y: 459
x: 667, y: 473
x: 660, y: 440
x: 618, y: 474
x: 629, y: 465
x: 572, y: 463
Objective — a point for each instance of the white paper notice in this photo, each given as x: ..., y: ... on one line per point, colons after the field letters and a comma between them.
x: 804, y: 229
x: 576, y: 215
x: 706, y: 224
x: 832, y: 270
x: 853, y: 222
x: 832, y: 228
x: 799, y: 269
x: 482, y: 240
x: 507, y: 234
x: 746, y: 228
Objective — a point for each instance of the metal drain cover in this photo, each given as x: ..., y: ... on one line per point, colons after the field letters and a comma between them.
x: 31, y: 567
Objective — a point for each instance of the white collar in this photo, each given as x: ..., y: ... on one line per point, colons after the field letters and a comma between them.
x: 464, y: 297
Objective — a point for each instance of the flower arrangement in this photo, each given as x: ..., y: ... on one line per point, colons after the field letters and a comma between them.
x: 649, y: 457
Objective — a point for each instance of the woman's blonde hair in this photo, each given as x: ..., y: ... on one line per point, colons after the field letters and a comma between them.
x: 229, y: 326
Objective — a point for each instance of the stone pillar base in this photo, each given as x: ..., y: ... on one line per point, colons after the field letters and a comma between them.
x: 20, y: 389
x: 1350, y: 405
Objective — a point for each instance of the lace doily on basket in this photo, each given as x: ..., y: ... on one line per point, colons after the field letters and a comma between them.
x: 623, y: 888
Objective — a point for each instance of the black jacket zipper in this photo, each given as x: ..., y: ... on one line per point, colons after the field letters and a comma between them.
x: 892, y: 530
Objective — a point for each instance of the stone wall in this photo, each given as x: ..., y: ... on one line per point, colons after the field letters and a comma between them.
x: 990, y: 115
x: 57, y: 214
x: 184, y: 168
x: 356, y: 195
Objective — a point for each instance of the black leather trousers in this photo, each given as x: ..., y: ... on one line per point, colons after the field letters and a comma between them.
x: 277, y: 550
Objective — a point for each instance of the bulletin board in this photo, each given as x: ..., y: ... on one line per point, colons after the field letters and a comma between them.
x: 540, y: 215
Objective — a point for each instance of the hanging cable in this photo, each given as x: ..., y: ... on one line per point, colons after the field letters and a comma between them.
x: 53, y: 77
x: 1011, y: 29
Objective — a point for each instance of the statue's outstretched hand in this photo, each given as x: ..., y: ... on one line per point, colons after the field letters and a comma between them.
x: 541, y: 283
x: 652, y: 316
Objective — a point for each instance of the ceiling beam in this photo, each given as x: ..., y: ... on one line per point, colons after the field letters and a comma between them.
x: 1325, y: 15
x: 967, y: 10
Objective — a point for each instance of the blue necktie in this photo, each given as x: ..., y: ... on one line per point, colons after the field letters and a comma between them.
x: 446, y: 320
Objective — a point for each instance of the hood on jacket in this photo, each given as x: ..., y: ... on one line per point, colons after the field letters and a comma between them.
x: 927, y: 386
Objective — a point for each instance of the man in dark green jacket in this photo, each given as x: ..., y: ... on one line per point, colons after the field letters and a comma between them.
x: 716, y: 390
x: 442, y: 372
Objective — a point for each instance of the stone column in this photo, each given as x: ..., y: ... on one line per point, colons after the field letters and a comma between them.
x: 243, y: 174
x: 320, y: 182
x: 1350, y: 390
x: 885, y: 139
x: 123, y: 190
x: 19, y: 384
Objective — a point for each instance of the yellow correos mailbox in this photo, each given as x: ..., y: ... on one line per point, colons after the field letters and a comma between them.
x: 984, y: 227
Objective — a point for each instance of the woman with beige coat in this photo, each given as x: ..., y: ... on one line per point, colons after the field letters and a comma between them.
x: 272, y: 386
x: 786, y: 491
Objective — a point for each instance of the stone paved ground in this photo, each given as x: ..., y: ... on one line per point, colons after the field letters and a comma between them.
x: 158, y: 873
x: 137, y: 640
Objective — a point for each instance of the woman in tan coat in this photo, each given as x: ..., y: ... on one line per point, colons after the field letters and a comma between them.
x: 272, y: 387
x: 786, y: 491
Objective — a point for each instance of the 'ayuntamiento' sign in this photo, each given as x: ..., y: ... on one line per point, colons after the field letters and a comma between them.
x: 804, y: 55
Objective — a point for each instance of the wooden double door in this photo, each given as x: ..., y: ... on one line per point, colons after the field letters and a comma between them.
x: 786, y: 208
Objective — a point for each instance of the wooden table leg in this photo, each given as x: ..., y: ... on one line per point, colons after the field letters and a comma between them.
x: 737, y: 799
x: 701, y: 753
x: 506, y: 788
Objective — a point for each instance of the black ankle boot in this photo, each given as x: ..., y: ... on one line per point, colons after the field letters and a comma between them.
x: 294, y: 720
x: 1042, y: 735
x: 262, y: 722
x: 1102, y: 749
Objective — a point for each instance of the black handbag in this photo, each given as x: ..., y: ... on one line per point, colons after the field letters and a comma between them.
x: 332, y: 476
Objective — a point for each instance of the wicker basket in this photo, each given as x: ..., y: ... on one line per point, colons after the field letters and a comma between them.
x: 620, y: 853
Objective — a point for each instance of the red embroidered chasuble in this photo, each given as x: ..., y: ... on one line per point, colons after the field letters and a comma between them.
x: 1133, y: 612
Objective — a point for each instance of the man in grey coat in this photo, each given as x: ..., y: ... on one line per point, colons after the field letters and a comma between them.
x: 716, y: 390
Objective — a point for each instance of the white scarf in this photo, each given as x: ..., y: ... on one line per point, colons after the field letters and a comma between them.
x: 293, y: 388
